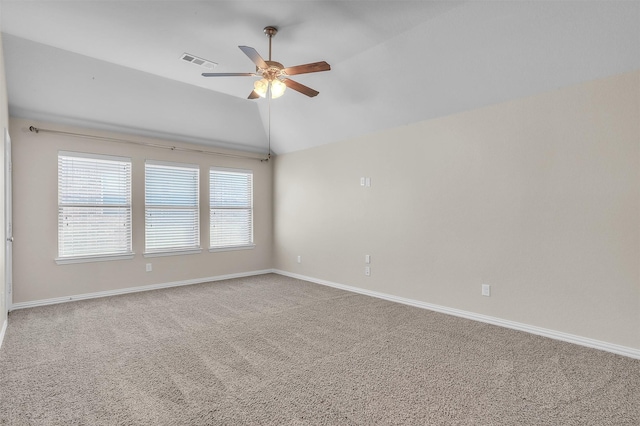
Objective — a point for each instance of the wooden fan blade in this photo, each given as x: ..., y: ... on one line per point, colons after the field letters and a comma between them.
x: 253, y: 95
x: 300, y: 88
x: 307, y: 68
x: 254, y: 56
x: 228, y: 74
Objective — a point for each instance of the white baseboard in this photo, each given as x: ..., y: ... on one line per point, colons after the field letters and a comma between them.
x: 56, y: 300
x: 557, y: 335
x: 4, y: 329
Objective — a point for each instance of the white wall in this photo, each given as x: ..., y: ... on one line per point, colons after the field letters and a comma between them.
x: 38, y: 277
x: 539, y: 197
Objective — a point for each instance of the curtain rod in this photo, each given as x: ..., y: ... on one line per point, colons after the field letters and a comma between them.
x: 152, y: 145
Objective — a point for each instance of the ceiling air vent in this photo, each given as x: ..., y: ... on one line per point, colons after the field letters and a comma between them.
x: 198, y: 61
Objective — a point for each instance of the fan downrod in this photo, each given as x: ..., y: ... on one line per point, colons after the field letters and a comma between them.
x: 270, y: 32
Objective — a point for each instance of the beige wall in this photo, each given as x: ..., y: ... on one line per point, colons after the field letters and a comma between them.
x: 37, y: 276
x: 538, y: 197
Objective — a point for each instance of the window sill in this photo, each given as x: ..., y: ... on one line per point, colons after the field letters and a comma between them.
x: 99, y: 258
x: 173, y: 253
x: 247, y: 247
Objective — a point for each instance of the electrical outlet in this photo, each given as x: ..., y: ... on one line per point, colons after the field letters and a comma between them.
x: 361, y: 181
x: 486, y: 290
x: 299, y: 259
x: 149, y: 267
x: 367, y: 182
x: 367, y: 271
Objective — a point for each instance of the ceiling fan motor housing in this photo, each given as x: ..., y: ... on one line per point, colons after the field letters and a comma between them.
x: 274, y: 71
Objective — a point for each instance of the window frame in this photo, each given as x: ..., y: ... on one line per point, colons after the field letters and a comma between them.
x: 251, y: 244
x: 127, y: 253
x: 169, y: 251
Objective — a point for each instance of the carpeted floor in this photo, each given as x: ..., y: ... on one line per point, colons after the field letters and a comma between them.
x: 275, y: 350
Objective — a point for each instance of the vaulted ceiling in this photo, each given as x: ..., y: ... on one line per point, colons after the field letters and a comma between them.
x: 116, y: 65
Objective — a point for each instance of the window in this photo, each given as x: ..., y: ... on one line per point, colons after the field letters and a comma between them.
x: 171, y: 208
x: 94, y: 207
x: 230, y: 209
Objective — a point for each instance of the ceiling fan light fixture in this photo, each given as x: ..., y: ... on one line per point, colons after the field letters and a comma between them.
x: 277, y: 88
x: 261, y: 87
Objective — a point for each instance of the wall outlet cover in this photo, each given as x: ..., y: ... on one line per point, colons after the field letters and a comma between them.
x: 486, y: 290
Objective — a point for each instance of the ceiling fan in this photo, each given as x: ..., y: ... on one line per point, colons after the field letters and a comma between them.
x: 275, y: 77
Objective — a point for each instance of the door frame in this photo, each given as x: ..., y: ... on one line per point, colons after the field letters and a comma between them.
x: 8, y: 221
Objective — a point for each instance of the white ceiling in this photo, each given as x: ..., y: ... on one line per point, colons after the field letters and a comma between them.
x: 116, y: 65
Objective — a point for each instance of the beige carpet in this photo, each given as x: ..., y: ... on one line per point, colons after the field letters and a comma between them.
x: 274, y: 350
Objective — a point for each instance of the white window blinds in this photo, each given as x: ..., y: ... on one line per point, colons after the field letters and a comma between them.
x: 171, y: 207
x: 94, y: 205
x: 231, y: 208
